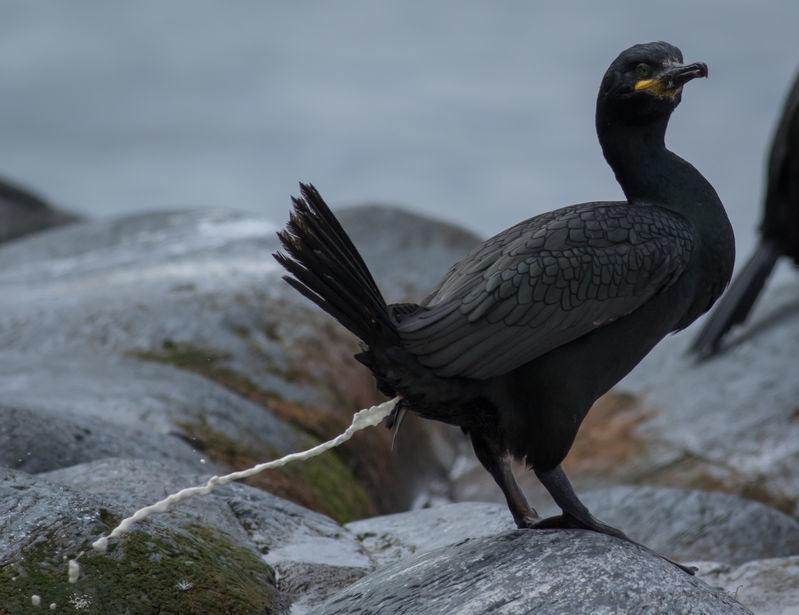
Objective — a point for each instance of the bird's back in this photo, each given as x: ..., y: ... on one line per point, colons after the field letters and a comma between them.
x: 545, y: 282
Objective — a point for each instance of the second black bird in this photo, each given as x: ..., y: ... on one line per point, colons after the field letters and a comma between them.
x: 779, y: 232
x: 524, y: 333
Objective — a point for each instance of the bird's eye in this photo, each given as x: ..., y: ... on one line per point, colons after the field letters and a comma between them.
x: 643, y: 71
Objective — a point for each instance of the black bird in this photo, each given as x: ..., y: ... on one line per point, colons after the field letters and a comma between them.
x: 779, y: 232
x: 524, y: 333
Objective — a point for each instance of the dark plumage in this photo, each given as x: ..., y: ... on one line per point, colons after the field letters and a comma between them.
x: 526, y: 331
x: 779, y: 232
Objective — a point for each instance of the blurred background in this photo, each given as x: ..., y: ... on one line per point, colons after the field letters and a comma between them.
x: 475, y: 112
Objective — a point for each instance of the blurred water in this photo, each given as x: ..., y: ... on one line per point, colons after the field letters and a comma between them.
x: 466, y: 110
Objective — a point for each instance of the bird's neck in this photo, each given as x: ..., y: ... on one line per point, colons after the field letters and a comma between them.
x: 649, y: 173
x: 638, y: 156
x: 646, y: 170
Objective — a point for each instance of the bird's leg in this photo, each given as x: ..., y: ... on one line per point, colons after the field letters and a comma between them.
x: 494, y: 459
x: 576, y: 515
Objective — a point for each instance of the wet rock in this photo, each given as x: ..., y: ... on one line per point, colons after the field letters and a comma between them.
x: 313, y: 555
x: 183, y: 568
x: 681, y: 524
x: 152, y: 398
x: 134, y: 483
x: 768, y: 586
x: 199, y: 291
x: 37, y: 440
x: 270, y: 550
x: 136, y: 348
x: 689, y: 525
x: 730, y: 423
x: 22, y: 212
x: 390, y: 538
x: 546, y: 572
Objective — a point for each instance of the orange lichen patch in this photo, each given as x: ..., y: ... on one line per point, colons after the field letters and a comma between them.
x: 610, y: 446
x: 325, y: 362
x: 691, y: 471
x: 608, y: 438
x: 343, y: 386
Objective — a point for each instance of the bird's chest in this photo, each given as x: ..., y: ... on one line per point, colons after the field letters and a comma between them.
x: 709, y: 275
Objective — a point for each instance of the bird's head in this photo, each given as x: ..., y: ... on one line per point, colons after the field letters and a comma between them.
x: 645, y: 83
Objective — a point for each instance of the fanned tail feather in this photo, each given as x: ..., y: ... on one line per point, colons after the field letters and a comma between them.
x: 326, y: 267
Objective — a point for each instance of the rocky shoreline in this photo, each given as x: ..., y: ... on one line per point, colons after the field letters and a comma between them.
x: 142, y: 354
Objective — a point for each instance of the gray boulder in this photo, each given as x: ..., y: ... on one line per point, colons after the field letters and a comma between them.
x: 681, y: 524
x: 729, y: 423
x: 689, y: 525
x: 768, y: 586
x: 177, y: 565
x: 199, y: 291
x: 522, y: 572
x: 142, y: 354
x: 131, y: 484
x: 136, y: 397
x: 22, y: 212
x: 407, y: 253
x: 37, y: 440
x: 312, y: 555
x: 390, y: 538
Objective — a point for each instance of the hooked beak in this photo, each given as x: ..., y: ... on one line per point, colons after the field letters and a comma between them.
x: 669, y: 81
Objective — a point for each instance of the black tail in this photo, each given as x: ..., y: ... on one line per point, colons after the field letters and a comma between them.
x: 735, y: 304
x: 327, y: 268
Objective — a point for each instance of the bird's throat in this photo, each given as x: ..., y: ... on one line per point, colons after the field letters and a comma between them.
x: 639, y: 159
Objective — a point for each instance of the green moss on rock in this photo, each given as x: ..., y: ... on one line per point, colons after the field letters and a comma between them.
x: 202, y: 361
x: 195, y: 570
x: 324, y: 484
x: 332, y: 487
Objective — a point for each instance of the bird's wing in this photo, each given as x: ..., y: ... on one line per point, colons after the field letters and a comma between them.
x: 544, y: 283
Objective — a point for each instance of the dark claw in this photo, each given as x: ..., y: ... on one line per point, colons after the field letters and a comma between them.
x: 529, y: 520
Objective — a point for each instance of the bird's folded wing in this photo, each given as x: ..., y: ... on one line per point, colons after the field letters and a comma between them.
x: 544, y: 283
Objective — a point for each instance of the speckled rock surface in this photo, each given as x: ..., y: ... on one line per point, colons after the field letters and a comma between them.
x: 132, y: 408
x: 133, y: 483
x: 729, y: 423
x: 142, y: 354
x: 179, y: 321
x: 175, y: 562
x: 768, y: 586
x: 312, y: 555
x: 390, y: 538
x: 689, y: 525
x: 681, y: 524
x: 37, y: 440
x: 523, y: 572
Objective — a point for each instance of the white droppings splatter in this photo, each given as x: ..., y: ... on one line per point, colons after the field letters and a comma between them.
x: 73, y: 571
x: 80, y: 601
x: 361, y: 420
